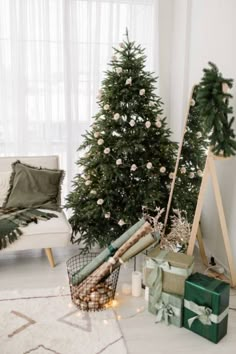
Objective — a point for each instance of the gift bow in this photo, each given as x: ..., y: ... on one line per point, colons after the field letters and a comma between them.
x: 204, y: 314
x: 164, y: 312
x: 203, y: 317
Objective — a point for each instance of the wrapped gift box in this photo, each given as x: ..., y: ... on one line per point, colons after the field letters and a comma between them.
x: 168, y: 309
x: 175, y: 269
x: 206, y: 302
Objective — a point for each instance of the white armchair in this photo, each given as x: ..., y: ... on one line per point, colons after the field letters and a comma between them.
x: 55, y: 232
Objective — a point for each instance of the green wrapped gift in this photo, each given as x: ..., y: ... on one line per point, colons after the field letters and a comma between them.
x: 206, y: 302
x: 168, y: 309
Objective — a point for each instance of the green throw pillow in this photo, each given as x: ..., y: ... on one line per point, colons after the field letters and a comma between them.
x: 33, y: 187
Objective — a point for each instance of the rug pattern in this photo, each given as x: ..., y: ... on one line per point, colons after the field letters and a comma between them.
x: 45, y: 321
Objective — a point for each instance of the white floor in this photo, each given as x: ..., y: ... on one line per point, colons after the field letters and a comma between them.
x: 30, y: 269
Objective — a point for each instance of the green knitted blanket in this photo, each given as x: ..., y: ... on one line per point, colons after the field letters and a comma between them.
x: 12, y: 219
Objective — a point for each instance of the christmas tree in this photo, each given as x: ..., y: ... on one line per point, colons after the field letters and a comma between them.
x: 192, y: 161
x: 213, y: 98
x: 129, y: 159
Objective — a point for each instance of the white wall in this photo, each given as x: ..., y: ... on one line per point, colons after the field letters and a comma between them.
x: 202, y: 31
x: 213, y: 36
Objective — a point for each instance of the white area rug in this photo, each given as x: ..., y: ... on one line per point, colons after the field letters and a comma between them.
x: 45, y: 322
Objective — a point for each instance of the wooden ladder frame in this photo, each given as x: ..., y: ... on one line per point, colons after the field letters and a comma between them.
x: 210, y: 171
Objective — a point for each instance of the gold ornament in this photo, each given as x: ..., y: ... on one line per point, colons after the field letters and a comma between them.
x: 103, y: 299
x: 93, y: 305
x: 83, y: 306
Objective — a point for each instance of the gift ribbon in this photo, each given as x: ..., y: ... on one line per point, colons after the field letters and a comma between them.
x: 154, y: 279
x: 204, y: 314
x: 167, y: 267
x: 112, y: 250
x: 165, y: 312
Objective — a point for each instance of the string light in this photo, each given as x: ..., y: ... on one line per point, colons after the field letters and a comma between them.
x: 114, y: 303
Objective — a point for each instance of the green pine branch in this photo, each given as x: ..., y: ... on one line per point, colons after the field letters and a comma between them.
x: 213, y: 99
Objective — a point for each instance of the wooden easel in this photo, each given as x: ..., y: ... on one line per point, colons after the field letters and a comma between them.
x: 210, y: 171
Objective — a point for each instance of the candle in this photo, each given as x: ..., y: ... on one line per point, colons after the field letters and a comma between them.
x: 136, y: 283
x: 126, y: 289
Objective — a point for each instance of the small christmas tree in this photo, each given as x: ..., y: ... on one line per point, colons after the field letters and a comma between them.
x: 213, y: 99
x: 192, y: 161
x: 129, y: 160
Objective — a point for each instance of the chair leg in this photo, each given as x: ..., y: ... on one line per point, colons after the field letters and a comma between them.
x: 49, y: 254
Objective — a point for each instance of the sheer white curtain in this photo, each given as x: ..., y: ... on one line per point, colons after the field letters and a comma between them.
x: 53, y: 54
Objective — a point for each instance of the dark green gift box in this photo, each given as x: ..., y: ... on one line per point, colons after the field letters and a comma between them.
x: 206, y: 302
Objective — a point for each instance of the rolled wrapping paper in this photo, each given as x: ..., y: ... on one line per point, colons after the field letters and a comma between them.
x: 83, y: 273
x: 106, y: 268
x: 141, y: 245
x: 136, y: 283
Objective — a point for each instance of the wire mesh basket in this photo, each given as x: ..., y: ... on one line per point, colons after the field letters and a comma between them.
x: 95, y: 298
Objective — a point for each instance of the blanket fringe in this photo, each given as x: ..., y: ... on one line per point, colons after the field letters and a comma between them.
x: 12, y: 219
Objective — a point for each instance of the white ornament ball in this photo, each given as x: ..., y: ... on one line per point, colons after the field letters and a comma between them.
x: 118, y: 162
x: 163, y: 169
x: 122, y: 45
x: 114, y: 57
x: 149, y: 165
x: 107, y: 151
x: 95, y: 296
x: 151, y: 104
x: 225, y: 87
x: 171, y: 175
x: 119, y: 70
x: 107, y: 215
x: 183, y: 170
x: 133, y: 167
x: 121, y: 222
x: 199, y: 173
x: 132, y: 123
x: 100, y: 141
x: 96, y: 134
x: 106, y: 107
x: 142, y: 92
x: 129, y: 81
x: 158, y: 124
x: 100, y: 201
x: 88, y: 182
x: 147, y: 124
x: 192, y: 102
x: 191, y: 175
x: 199, y: 135
x: 116, y: 116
